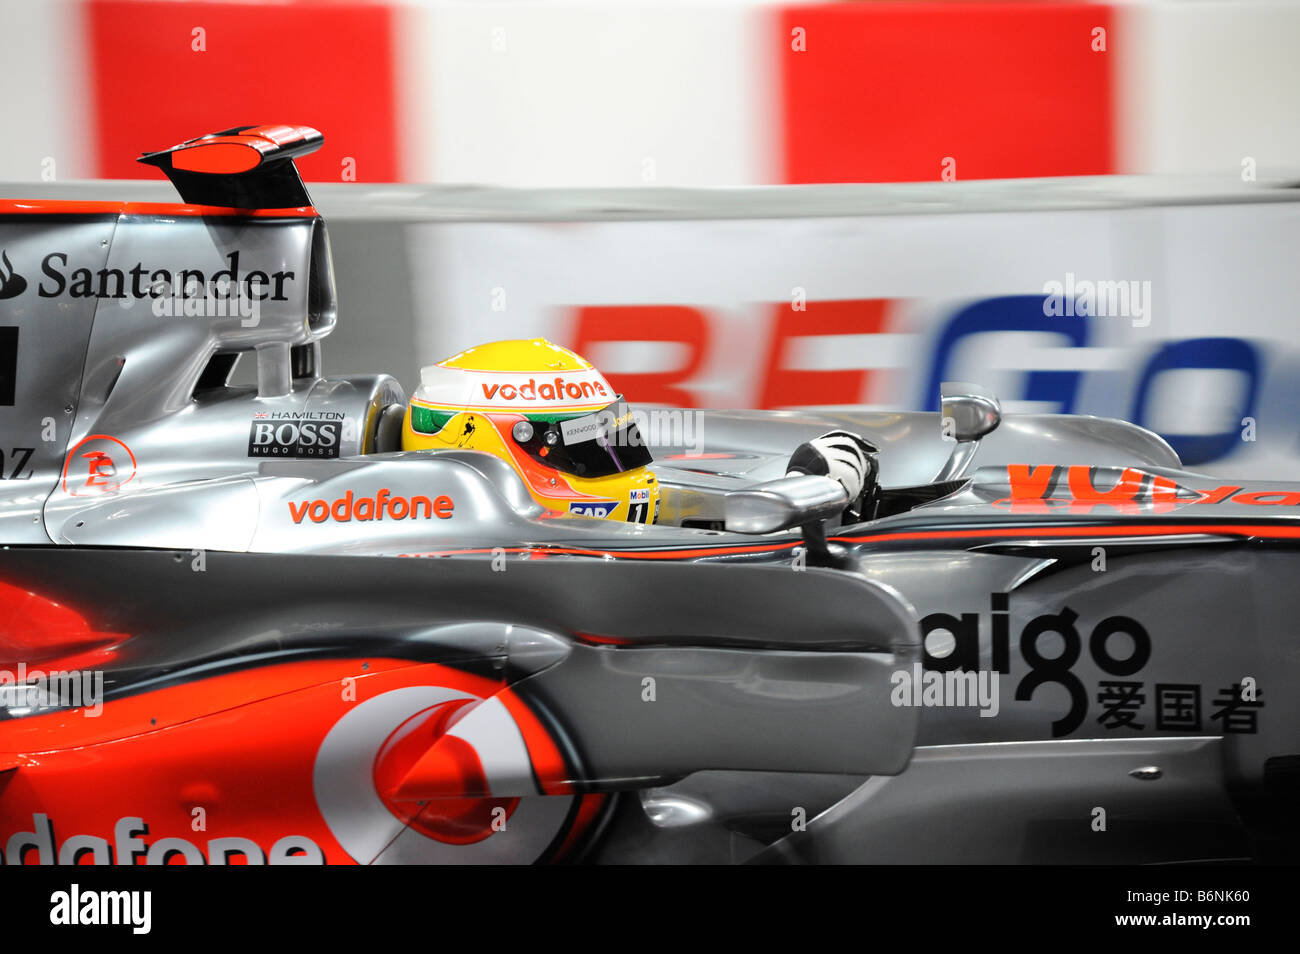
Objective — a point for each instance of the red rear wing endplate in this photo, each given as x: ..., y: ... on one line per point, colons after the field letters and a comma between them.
x: 246, y: 167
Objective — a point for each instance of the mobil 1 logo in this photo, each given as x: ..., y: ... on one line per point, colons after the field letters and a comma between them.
x: 295, y: 434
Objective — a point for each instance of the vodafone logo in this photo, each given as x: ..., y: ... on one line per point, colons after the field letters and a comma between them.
x: 129, y: 846
x: 368, y: 754
x: 557, y: 390
x: 1075, y: 489
x: 349, y: 507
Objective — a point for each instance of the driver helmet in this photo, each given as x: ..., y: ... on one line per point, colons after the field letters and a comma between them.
x: 550, y: 415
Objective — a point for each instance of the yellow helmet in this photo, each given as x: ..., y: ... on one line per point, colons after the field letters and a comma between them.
x: 548, y: 413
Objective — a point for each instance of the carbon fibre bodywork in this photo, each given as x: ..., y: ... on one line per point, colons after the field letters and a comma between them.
x: 345, y: 652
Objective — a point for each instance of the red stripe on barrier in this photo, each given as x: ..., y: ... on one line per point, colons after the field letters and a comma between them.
x: 886, y: 92
x: 162, y: 73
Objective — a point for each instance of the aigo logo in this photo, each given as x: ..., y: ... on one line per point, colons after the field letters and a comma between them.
x: 488, y: 807
x: 98, y: 464
x: 964, y: 639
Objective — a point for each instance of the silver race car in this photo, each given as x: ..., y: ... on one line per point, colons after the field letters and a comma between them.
x: 999, y: 638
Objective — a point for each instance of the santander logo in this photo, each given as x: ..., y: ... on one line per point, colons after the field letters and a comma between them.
x: 349, y: 507
x: 11, y: 283
x: 553, y: 390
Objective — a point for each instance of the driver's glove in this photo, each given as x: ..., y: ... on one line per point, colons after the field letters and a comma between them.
x: 842, y: 456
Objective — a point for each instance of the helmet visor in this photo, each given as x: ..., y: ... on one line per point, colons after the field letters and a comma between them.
x: 599, y: 444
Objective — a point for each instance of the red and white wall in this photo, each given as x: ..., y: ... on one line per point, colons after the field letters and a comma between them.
x: 784, y: 310
x: 584, y: 93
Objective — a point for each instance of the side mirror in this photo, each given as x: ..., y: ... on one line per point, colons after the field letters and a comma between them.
x: 784, y: 503
x: 974, y: 412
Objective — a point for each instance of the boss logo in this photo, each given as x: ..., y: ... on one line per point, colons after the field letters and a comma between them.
x: 294, y: 438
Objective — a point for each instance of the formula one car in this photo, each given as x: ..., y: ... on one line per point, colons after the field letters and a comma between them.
x: 309, y: 621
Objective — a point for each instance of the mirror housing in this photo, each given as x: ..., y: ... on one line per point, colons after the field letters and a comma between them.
x: 974, y: 410
x: 974, y: 413
x: 784, y: 503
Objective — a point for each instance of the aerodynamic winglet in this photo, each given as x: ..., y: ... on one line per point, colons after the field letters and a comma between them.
x: 246, y: 167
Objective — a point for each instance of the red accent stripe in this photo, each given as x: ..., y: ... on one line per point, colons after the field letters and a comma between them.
x: 588, y: 811
x: 195, y: 699
x: 39, y: 631
x: 178, y: 209
x: 597, y: 640
x: 1262, y: 531
x: 620, y: 554
x: 1158, y: 530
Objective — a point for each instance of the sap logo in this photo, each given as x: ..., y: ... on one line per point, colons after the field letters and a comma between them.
x: 597, y: 508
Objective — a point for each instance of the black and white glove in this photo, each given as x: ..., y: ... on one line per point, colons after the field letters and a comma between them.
x: 846, y: 458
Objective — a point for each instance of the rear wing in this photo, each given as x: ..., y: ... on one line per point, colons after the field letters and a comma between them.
x: 247, y: 167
